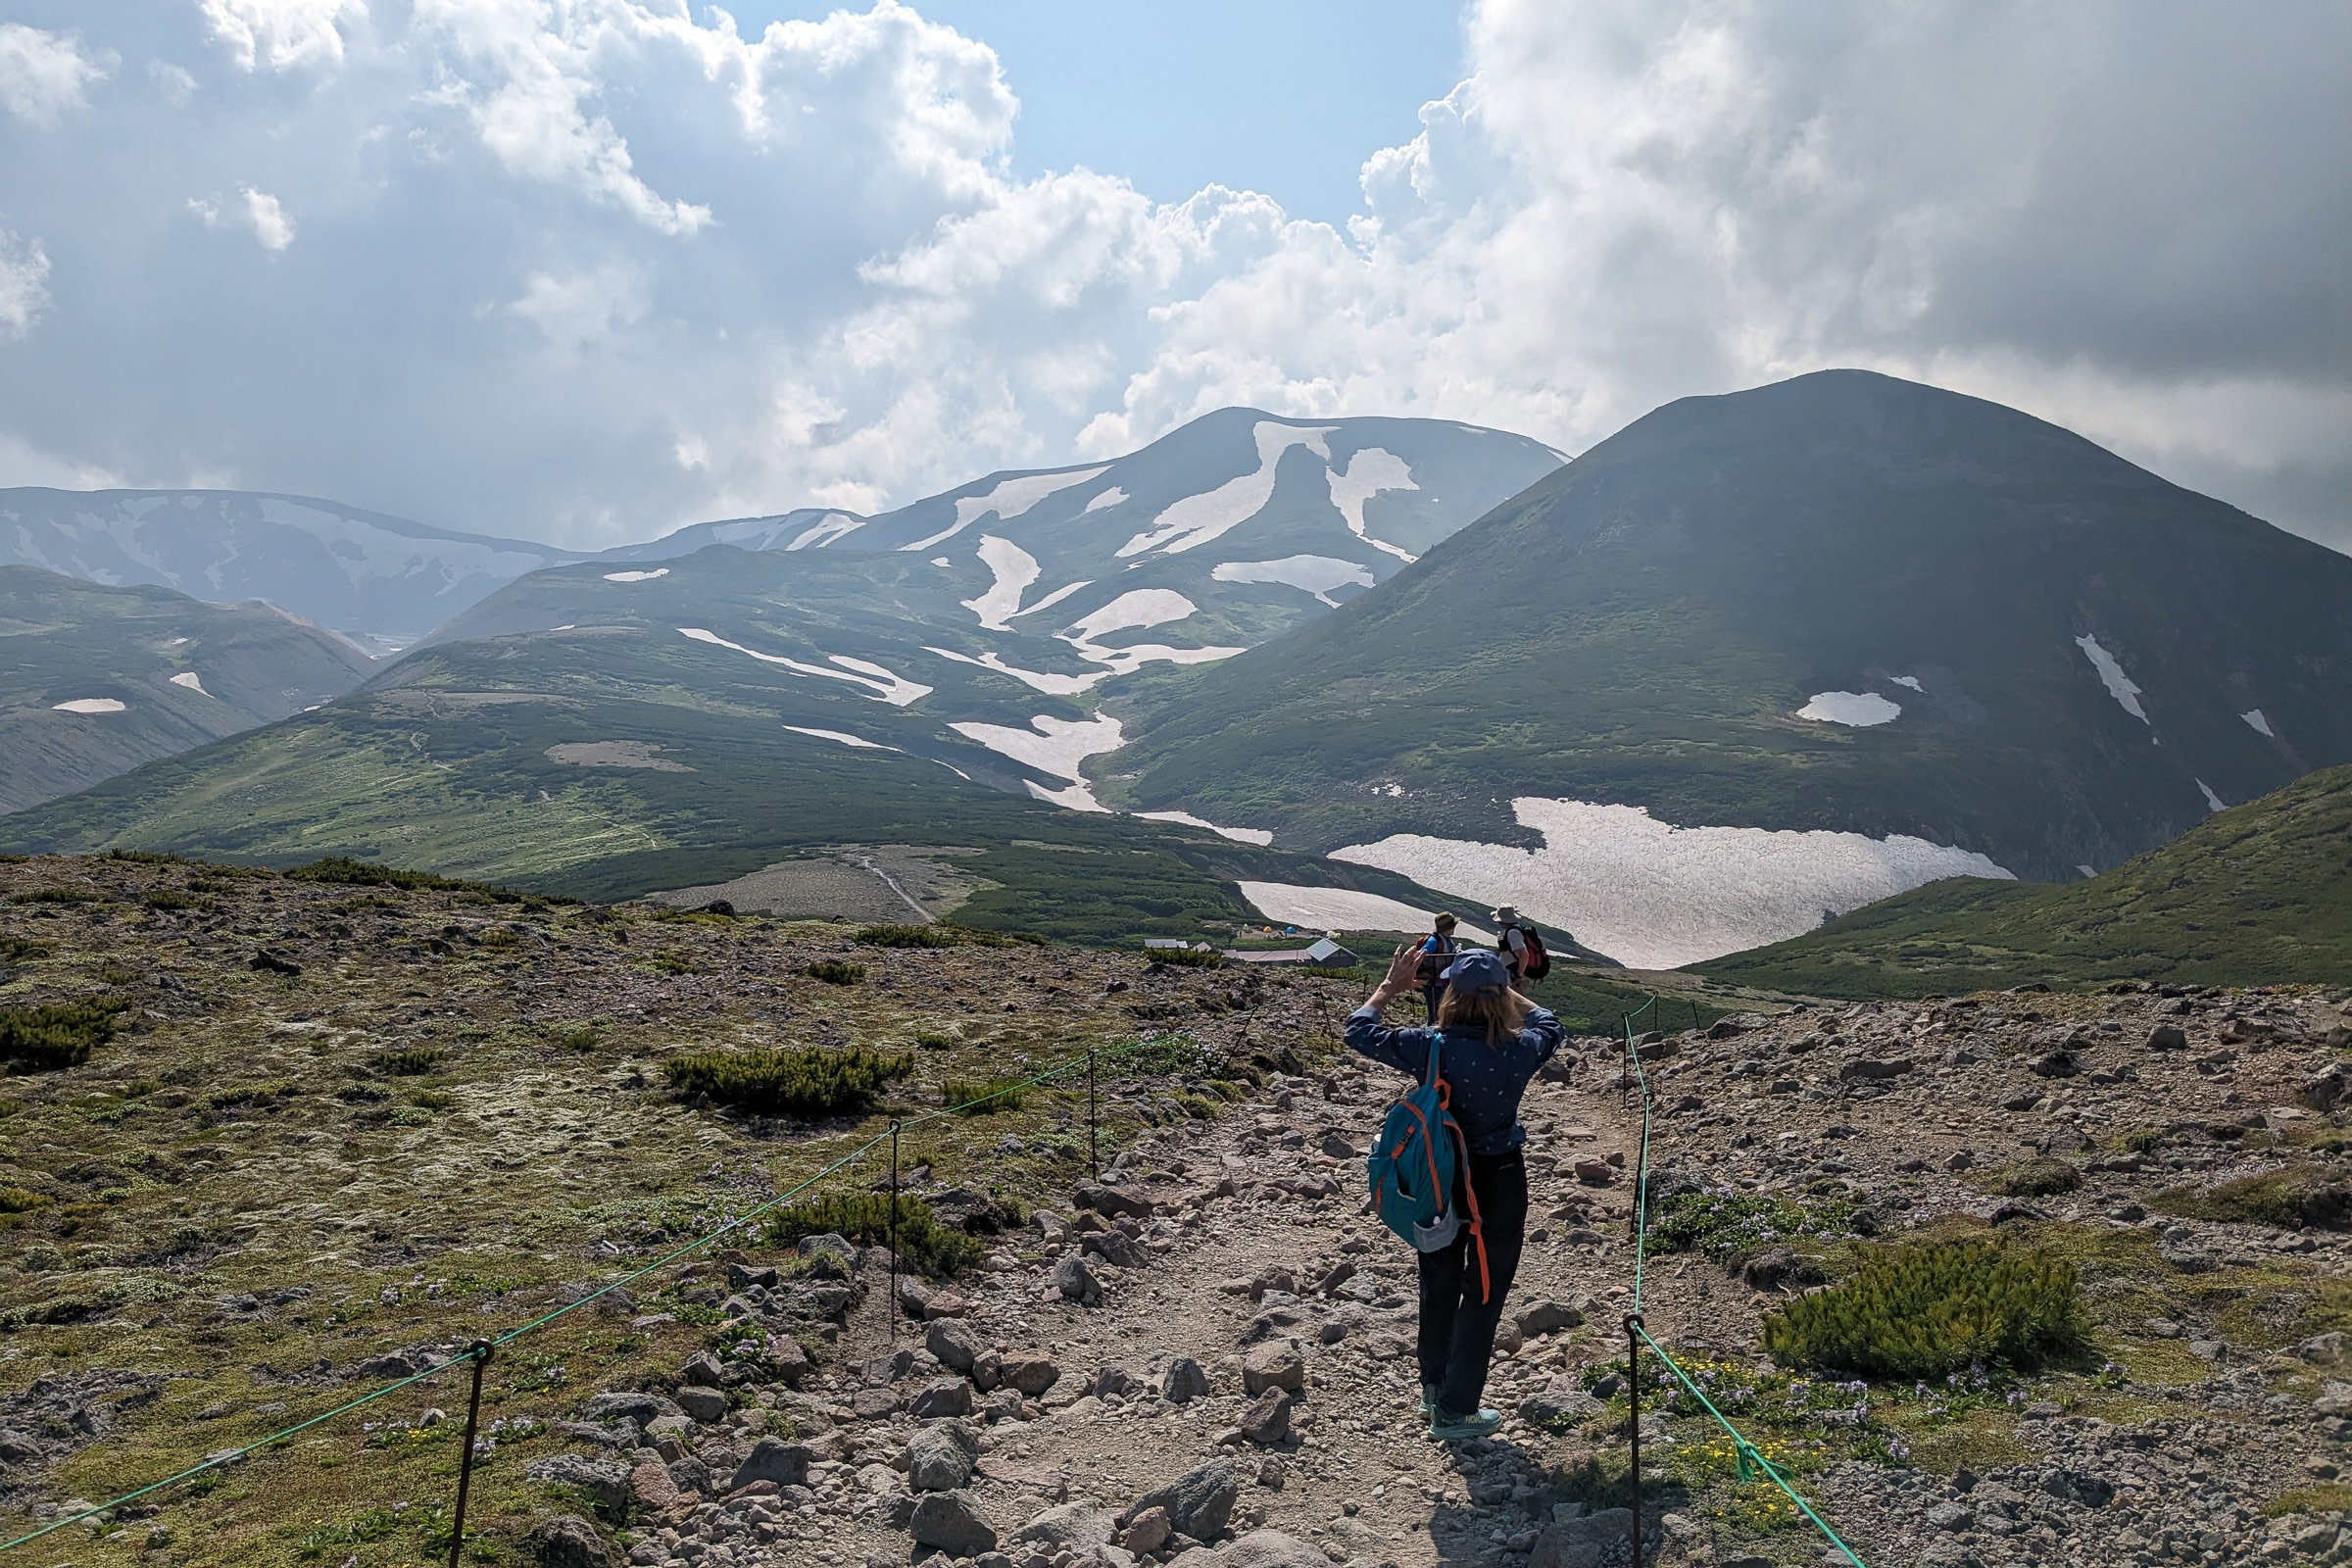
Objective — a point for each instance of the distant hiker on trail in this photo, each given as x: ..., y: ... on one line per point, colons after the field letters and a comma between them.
x: 1437, y: 951
x: 1459, y: 1127
x: 1520, y: 947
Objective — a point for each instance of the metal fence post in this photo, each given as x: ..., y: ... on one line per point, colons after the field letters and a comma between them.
x: 1093, y: 1155
x: 480, y: 1353
x: 1633, y: 1384
x: 893, y: 1309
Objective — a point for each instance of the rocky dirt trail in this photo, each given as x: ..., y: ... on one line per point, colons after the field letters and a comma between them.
x: 279, y: 1190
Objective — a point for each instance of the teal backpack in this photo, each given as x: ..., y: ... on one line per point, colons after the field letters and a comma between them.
x: 1413, y: 1165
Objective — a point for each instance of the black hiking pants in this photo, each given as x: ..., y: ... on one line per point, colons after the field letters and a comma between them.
x: 1458, y: 1326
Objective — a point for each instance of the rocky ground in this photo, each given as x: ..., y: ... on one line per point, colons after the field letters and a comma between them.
x: 243, y: 1211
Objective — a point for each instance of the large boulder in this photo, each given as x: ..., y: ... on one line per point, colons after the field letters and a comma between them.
x: 642, y: 1408
x: 1032, y: 1375
x: 774, y: 1459
x: 1267, y: 1420
x: 952, y: 1522
x: 1077, y: 1527
x: 1271, y: 1548
x: 955, y: 1344
x: 1074, y: 1279
x: 1274, y: 1364
x: 606, y: 1480
x: 941, y: 1457
x: 1198, y: 1502
x: 1184, y: 1380
x: 945, y: 1397
x: 702, y: 1404
x: 1110, y: 1203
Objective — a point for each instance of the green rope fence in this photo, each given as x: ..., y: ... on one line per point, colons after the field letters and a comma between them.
x: 482, y: 1350
x: 1751, y: 1459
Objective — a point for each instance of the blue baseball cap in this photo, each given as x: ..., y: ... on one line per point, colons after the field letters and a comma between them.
x: 1477, y: 970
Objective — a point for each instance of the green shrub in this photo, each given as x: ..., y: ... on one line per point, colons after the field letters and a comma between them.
x: 2038, y: 1178
x: 143, y: 856
x: 166, y: 900
x: 21, y: 1201
x: 2291, y: 1198
x: 835, y: 973
x: 2141, y: 1141
x: 909, y: 936
x: 932, y: 1040
x: 924, y: 1243
x: 342, y: 869
x: 413, y: 1061
x: 1187, y: 958
x: 1922, y: 1309
x: 809, y: 1080
x: 581, y: 1038
x: 16, y: 949
x: 58, y: 1035
x: 432, y: 1099
x: 1728, y: 1225
x: 1323, y: 971
x: 982, y: 1097
x: 58, y: 896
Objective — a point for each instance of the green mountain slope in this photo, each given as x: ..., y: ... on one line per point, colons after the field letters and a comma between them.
x: 622, y: 760
x: 2078, y: 651
x: 95, y: 680
x: 2260, y: 894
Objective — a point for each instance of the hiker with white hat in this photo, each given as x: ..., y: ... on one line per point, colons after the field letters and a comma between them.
x: 1510, y: 943
x: 1468, y: 1232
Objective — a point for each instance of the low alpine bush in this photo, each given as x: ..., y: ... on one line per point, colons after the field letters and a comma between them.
x: 2038, y: 1178
x: 808, y: 1081
x: 982, y: 1097
x: 835, y: 973
x: 1188, y: 957
x: 58, y: 1035
x: 909, y: 936
x: 413, y: 1061
x: 924, y: 1243
x: 1924, y: 1309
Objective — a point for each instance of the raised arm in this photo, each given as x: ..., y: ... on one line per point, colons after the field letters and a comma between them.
x: 1405, y: 1050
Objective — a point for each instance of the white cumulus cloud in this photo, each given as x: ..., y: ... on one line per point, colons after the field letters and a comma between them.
x: 795, y: 266
x: 43, y: 75
x: 24, y: 284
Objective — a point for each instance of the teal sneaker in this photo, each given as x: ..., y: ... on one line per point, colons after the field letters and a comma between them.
x: 1447, y: 1427
x: 1428, y: 1401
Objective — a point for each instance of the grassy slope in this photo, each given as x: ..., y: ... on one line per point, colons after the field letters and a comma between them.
x: 62, y: 638
x: 450, y: 773
x: 2258, y: 894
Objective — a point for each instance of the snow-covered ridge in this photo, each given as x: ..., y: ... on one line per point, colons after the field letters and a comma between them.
x: 1655, y: 896
x: 881, y: 684
x: 1314, y: 575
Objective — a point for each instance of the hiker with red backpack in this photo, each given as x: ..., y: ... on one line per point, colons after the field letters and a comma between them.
x: 1520, y: 946
x: 1437, y: 951
x: 1446, y: 1171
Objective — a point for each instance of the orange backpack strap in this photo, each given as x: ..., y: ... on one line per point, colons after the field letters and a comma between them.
x: 1478, y: 1229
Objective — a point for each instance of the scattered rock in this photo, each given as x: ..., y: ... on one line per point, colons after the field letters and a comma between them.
x: 1149, y: 1533
x: 1073, y: 1525
x: 1032, y: 1375
x: 1184, y: 1380
x: 1275, y: 1364
x: 703, y: 1404
x: 773, y: 1459
x: 606, y: 1479
x: 1074, y: 1279
x: 1198, y: 1502
x: 958, y: 1347
x: 942, y: 1397
x: 568, y: 1541
x: 1271, y: 1548
x: 941, y: 1457
x: 2168, y: 1037
x: 1267, y: 1420
x: 1589, y: 1542
x: 952, y: 1522
x: 1561, y: 1402
x: 1111, y: 1202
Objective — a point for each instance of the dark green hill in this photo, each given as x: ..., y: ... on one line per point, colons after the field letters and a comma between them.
x: 95, y: 680
x: 2260, y: 894
x: 1643, y: 627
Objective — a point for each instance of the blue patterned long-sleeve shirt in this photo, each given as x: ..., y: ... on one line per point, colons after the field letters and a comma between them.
x: 1485, y: 1082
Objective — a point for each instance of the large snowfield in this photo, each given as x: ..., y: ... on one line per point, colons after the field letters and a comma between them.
x: 1346, y: 910
x: 1654, y: 896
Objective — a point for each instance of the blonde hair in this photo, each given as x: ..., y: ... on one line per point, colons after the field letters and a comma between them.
x: 1500, y: 1008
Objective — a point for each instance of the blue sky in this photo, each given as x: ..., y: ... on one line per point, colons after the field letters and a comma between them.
x: 1288, y: 98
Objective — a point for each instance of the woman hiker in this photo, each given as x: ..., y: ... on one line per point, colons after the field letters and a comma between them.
x: 1493, y: 1041
x: 1437, y: 951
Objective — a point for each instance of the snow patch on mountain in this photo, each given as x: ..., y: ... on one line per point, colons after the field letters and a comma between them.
x: 1344, y: 909
x: 1314, y: 575
x: 1109, y: 498
x: 1655, y: 896
x: 858, y: 741
x: 2213, y: 801
x: 1056, y: 746
x: 1259, y: 836
x: 89, y: 705
x: 1036, y: 679
x: 2261, y: 725
x: 1370, y: 471
x: 1860, y: 710
x: 1911, y: 682
x: 2111, y: 675
x: 636, y: 576
x: 192, y: 681
x: 1210, y: 515
x: 1014, y: 570
x: 1007, y: 498
x: 880, y: 683
x: 831, y: 526
x: 1053, y: 599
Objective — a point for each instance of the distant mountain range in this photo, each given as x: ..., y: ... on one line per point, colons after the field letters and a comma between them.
x: 1752, y: 662
x: 96, y: 680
